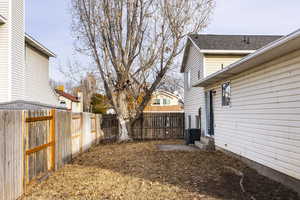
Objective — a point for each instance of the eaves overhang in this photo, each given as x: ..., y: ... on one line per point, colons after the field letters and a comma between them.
x: 220, y: 51
x: 34, y: 43
x: 265, y: 54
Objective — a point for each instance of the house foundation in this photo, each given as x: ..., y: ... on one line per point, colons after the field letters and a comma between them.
x: 272, y: 174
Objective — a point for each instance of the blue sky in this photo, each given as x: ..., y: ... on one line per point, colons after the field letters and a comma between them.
x: 50, y: 22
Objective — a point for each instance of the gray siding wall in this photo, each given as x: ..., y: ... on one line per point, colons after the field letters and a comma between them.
x: 194, y: 96
x: 263, y: 121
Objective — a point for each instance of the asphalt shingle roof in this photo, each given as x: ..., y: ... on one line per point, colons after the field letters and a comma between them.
x: 232, y: 42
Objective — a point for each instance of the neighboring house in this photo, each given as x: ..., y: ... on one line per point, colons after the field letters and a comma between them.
x: 204, y: 55
x: 24, y: 62
x: 254, y: 109
x: 163, y: 101
x: 88, y: 87
x: 69, y: 101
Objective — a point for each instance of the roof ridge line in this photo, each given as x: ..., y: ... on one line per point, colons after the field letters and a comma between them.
x: 204, y: 34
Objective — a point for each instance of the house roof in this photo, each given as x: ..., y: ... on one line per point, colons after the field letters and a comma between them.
x: 34, y: 43
x: 163, y: 92
x: 273, y: 50
x: 232, y: 42
x: 67, y: 95
x: 226, y: 44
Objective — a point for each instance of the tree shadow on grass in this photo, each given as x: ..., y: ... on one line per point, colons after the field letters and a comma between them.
x: 197, y: 171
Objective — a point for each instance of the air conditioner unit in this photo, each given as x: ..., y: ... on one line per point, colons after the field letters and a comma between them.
x: 191, y: 135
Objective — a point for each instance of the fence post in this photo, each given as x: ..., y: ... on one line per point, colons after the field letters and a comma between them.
x: 24, y: 141
x: 96, y: 131
x: 81, y: 132
x: 52, y: 136
x: 142, y: 125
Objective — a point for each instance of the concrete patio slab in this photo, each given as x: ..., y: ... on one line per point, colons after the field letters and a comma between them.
x: 176, y: 147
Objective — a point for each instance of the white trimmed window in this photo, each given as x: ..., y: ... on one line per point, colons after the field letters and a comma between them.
x: 166, y: 101
x: 226, y: 94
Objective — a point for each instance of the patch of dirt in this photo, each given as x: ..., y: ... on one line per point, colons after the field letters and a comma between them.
x: 139, y: 170
x: 176, y: 147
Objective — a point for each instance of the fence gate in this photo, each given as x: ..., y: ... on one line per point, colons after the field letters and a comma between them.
x: 39, y: 144
x: 77, y: 137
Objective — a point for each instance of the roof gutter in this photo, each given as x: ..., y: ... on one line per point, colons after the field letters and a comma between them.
x: 271, y: 51
x: 31, y: 41
x: 212, y: 51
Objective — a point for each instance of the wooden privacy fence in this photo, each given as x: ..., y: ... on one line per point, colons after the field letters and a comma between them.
x: 39, y: 142
x: 34, y: 143
x: 11, y: 155
x: 149, y: 126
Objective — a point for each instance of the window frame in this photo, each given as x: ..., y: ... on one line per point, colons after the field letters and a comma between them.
x: 199, y: 74
x: 166, y: 101
x: 226, y: 101
x: 156, y: 102
x: 197, y: 121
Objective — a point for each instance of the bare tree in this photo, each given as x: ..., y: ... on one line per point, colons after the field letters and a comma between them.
x: 133, y: 44
x: 172, y: 82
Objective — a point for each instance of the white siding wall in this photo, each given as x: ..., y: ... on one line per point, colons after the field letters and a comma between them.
x: 263, y: 121
x: 37, y: 78
x: 12, y: 77
x: 194, y: 96
x: 4, y: 52
x: 214, y: 62
x: 17, y: 50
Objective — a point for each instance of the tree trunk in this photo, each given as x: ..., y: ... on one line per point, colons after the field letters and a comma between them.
x: 124, y: 130
x: 123, y: 116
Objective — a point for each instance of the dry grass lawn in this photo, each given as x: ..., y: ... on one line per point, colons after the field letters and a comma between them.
x: 140, y: 171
